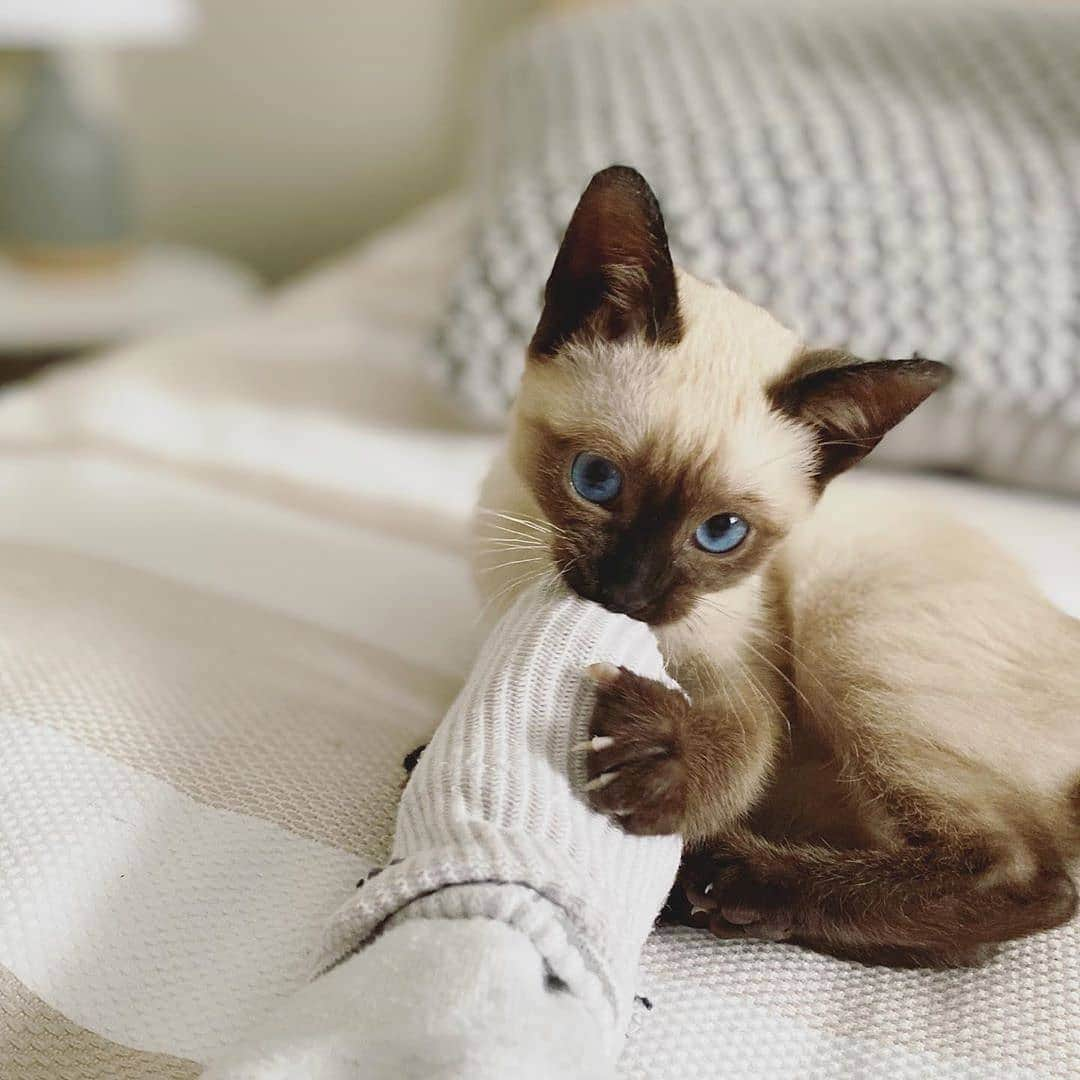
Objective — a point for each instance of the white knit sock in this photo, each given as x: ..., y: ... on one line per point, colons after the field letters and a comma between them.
x: 495, y: 808
x: 431, y: 999
x: 493, y: 826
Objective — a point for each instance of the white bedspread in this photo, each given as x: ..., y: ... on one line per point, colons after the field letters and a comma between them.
x: 234, y: 596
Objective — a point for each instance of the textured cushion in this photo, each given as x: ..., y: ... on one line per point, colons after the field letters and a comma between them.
x: 894, y: 179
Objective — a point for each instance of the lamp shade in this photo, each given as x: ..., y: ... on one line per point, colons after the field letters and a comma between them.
x: 48, y: 23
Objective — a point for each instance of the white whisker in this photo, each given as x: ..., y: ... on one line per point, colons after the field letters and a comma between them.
x: 535, y: 524
x: 505, y: 565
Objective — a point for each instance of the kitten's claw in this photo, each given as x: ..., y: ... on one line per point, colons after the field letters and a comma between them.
x: 596, y: 743
x: 603, y: 674
x: 601, y: 781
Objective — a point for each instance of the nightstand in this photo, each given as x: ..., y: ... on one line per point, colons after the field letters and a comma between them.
x: 46, y: 316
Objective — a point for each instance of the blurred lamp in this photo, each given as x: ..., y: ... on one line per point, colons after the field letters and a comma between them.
x: 64, y: 190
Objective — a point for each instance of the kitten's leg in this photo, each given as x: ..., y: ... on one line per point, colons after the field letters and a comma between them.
x: 957, y: 956
x: 661, y: 765
x: 937, y: 900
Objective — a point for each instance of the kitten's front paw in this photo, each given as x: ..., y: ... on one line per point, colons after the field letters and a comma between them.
x: 635, y: 764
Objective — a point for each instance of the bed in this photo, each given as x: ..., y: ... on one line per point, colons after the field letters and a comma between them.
x: 235, y: 595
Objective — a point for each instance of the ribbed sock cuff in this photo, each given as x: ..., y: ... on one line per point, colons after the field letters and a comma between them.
x: 491, y: 860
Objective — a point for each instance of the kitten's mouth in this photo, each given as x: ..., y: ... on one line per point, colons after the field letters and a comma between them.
x: 618, y: 600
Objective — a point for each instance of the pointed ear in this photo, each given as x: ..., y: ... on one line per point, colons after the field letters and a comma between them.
x: 613, y: 276
x: 852, y: 404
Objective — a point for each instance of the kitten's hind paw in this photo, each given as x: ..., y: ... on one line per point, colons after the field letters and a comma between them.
x: 736, y: 899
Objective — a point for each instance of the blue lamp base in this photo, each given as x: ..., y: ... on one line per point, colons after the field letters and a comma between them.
x: 64, y: 191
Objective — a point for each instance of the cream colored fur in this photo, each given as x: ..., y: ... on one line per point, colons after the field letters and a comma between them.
x: 889, y: 634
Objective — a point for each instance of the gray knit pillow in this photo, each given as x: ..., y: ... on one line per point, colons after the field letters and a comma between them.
x: 889, y: 178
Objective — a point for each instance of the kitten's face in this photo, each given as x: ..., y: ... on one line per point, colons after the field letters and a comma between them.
x: 669, y: 433
x: 664, y: 472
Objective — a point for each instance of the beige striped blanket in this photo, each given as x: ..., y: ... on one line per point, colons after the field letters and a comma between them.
x: 233, y: 596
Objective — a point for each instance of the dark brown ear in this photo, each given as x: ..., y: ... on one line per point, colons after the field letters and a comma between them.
x: 852, y: 404
x: 613, y: 275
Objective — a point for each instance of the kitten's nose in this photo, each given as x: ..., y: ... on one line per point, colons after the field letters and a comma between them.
x: 628, y: 581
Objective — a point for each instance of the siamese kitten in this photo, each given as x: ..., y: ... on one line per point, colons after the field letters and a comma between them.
x: 880, y: 757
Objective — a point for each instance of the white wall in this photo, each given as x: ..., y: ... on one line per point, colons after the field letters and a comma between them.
x: 288, y: 128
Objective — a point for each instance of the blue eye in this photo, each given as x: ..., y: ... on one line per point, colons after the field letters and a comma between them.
x: 724, y: 532
x: 595, y: 478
